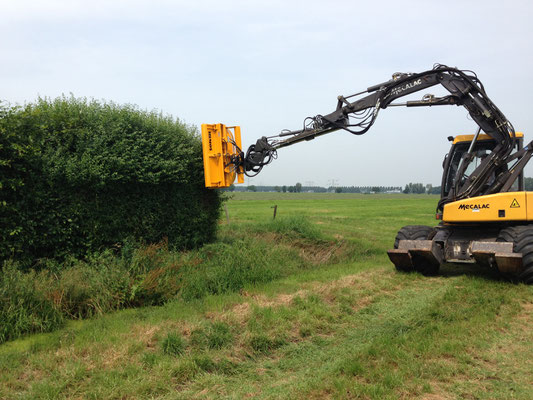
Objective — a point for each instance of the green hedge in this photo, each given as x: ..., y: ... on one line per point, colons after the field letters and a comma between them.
x: 78, y: 176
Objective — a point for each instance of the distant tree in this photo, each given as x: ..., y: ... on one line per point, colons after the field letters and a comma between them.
x: 298, y: 187
x: 284, y: 189
x: 291, y: 189
x: 252, y: 188
x: 338, y: 190
x: 435, y: 190
x: 429, y: 186
x: 277, y: 189
x: 417, y: 188
x: 528, y: 183
x: 376, y: 189
x: 231, y: 188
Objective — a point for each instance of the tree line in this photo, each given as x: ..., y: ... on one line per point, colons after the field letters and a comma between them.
x: 410, y: 188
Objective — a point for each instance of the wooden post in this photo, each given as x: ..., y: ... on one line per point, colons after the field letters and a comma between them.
x: 227, y: 215
x: 275, y: 211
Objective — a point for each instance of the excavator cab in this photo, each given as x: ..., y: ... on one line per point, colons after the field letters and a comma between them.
x: 481, y: 229
x: 484, y: 145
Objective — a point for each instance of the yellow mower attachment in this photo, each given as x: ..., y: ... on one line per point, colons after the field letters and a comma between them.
x: 221, y: 146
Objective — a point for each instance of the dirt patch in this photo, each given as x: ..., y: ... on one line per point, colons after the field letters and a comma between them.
x: 146, y: 334
x: 114, y: 355
x: 525, y: 315
x: 241, y: 311
x: 320, y: 394
x: 280, y: 300
x: 437, y: 396
x: 31, y: 375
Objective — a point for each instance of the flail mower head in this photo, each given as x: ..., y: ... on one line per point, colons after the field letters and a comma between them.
x: 222, y: 155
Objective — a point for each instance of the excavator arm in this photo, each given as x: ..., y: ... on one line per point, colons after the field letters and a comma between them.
x: 357, y: 113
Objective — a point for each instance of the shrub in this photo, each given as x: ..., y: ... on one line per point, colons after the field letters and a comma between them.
x: 78, y: 176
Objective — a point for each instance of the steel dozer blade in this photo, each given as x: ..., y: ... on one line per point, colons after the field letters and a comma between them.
x: 401, y: 259
x: 221, y: 146
x: 410, y: 254
x: 425, y: 250
x: 499, y: 253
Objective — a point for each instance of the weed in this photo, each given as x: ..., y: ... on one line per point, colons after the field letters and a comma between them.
x: 305, y: 331
x: 219, y: 335
x: 227, y: 367
x: 135, y: 348
x: 198, y: 338
x: 173, y: 344
x: 205, y: 363
x: 263, y: 344
x: 149, y: 359
x: 185, y: 371
x: 351, y: 366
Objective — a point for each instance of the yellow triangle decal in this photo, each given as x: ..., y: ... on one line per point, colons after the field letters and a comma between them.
x: 515, y: 204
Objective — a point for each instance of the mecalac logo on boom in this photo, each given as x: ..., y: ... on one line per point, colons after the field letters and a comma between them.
x: 473, y: 206
x: 403, y: 88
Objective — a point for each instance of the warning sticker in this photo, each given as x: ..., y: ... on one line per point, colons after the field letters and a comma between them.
x: 514, y: 204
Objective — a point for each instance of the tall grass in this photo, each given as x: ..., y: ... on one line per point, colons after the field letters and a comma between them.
x: 26, y: 304
x: 148, y: 275
x: 293, y: 226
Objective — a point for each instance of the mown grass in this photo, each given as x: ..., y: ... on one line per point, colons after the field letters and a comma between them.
x: 346, y: 327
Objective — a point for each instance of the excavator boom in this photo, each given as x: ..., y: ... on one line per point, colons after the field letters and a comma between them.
x: 483, y: 220
x: 357, y: 113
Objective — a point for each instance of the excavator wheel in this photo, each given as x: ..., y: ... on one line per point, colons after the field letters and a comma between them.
x: 522, y: 239
x: 416, y: 232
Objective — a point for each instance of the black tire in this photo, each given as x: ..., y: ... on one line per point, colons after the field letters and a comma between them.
x: 417, y: 232
x: 522, y: 239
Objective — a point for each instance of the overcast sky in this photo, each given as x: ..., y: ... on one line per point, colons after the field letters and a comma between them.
x: 266, y: 65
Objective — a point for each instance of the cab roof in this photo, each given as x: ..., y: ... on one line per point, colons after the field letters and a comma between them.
x: 483, y: 136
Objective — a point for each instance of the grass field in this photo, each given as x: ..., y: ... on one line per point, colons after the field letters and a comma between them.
x: 343, y: 324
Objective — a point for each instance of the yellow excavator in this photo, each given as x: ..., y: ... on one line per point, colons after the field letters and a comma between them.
x: 485, y: 215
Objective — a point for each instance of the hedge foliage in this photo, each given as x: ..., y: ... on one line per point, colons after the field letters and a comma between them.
x: 78, y: 176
